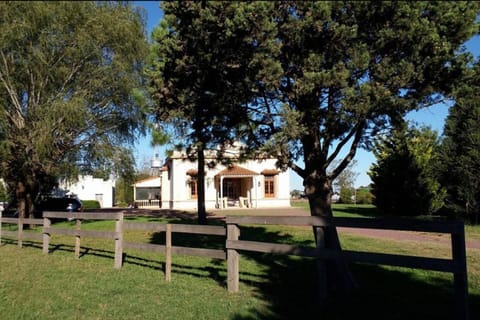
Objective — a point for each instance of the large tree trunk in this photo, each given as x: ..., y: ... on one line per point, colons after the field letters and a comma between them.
x: 334, y: 275
x: 20, y: 193
x: 202, y: 214
x: 24, y: 201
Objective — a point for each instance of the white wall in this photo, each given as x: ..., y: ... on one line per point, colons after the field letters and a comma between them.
x: 90, y: 188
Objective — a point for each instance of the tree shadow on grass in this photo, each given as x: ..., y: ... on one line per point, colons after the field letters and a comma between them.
x: 289, y: 284
x: 290, y: 287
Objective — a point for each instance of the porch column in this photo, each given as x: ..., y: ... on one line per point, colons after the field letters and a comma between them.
x: 221, y: 192
x: 255, y: 183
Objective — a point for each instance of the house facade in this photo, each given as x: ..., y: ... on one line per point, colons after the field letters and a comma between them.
x: 147, y: 192
x: 90, y: 188
x: 251, y: 184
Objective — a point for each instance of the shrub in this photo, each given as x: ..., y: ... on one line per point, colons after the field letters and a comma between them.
x: 90, y: 204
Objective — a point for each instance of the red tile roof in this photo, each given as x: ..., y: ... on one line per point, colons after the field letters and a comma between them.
x: 237, y: 171
x: 270, y: 172
x: 192, y: 172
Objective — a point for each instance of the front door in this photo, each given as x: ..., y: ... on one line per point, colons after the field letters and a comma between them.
x: 231, y: 188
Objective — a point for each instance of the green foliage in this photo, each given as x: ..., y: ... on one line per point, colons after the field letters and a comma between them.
x: 405, y: 181
x: 364, y: 196
x: 344, y: 183
x: 296, y: 194
x: 123, y: 191
x: 460, y: 150
x: 4, y: 196
x: 351, y: 69
x: 346, y: 195
x: 201, y: 65
x: 90, y: 204
x: 70, y: 77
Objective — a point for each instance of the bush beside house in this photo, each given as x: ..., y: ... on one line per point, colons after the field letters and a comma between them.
x: 90, y: 204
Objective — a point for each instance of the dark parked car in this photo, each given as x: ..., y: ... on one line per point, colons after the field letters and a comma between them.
x: 63, y: 204
x: 59, y: 204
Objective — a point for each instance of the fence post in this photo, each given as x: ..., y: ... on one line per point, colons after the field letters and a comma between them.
x: 460, y: 281
x: 233, y: 233
x: 168, y: 252
x: 46, y: 236
x: 119, y: 242
x: 1, y: 211
x: 78, y: 226
x: 20, y: 231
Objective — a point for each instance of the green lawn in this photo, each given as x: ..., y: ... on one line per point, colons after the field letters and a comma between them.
x: 58, y: 286
x: 343, y: 210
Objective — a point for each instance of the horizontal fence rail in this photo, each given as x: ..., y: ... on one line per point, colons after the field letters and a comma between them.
x: 457, y: 265
x: 84, y: 233
x: 83, y: 215
x: 168, y: 249
x: 20, y: 234
x: 116, y: 235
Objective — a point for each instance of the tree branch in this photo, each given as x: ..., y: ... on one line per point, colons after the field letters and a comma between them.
x: 297, y: 169
x: 16, y: 117
x: 344, y: 141
x: 358, y: 132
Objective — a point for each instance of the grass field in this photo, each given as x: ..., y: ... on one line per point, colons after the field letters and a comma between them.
x: 58, y: 286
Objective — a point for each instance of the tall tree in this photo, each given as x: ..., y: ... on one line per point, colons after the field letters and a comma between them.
x: 333, y: 75
x: 405, y: 176
x: 351, y: 69
x: 69, y: 73
x: 201, y: 66
x: 460, y: 150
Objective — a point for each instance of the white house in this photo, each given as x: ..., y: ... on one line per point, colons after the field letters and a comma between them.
x: 251, y: 184
x: 146, y: 192
x: 90, y: 188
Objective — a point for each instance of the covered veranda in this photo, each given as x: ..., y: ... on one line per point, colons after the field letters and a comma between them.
x: 237, y: 187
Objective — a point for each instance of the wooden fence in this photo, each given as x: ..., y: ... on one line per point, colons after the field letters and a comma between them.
x: 168, y: 248
x: 19, y: 234
x: 456, y: 265
x: 116, y: 235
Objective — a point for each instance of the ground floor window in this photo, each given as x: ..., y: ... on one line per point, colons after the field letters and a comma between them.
x: 193, y: 189
x: 269, y: 186
x: 152, y: 193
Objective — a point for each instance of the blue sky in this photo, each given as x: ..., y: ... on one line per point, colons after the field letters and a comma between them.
x: 433, y: 116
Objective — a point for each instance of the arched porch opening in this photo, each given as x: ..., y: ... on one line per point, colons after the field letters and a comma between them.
x: 236, y: 187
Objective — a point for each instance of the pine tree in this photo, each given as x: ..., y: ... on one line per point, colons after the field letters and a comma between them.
x: 460, y: 151
x: 404, y: 178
